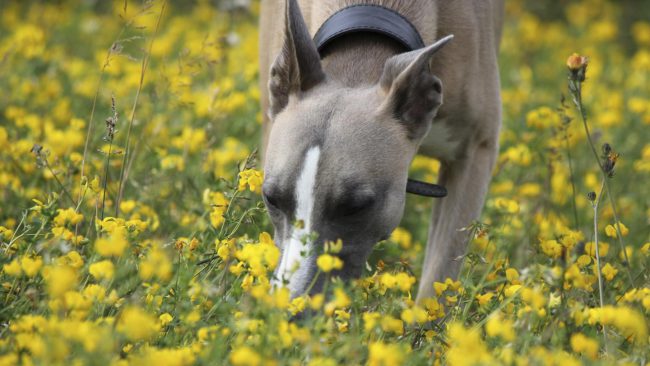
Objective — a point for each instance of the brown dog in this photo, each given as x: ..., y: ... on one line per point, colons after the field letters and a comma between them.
x: 343, y: 125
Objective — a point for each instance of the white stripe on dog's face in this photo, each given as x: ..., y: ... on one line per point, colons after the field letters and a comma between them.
x: 291, y: 267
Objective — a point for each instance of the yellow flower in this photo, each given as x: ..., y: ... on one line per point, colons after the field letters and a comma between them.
x: 327, y: 263
x: 370, y: 320
x: 496, y: 326
x: 219, y: 206
x: 485, y: 298
x: 165, y: 319
x: 183, y: 356
x: 581, y: 344
x: 385, y: 354
x: 402, y: 237
x: 156, y: 264
x: 72, y: 259
x: 245, y: 356
x: 102, y: 270
x: 31, y: 266
x: 251, y: 177
x: 645, y: 249
x: 512, y: 276
x: 576, y: 62
x: 392, y: 325
x: 414, y: 315
x: 590, y: 249
x: 543, y: 117
x: 609, y: 271
x: 627, y: 320
x: 322, y: 361
x: 5, y: 232
x: 610, y: 230
x: 551, y: 248
x: 13, y: 268
x: 466, y: 347
x: 439, y: 287
x: 507, y: 205
x: 137, y: 325
x: 404, y: 281
x: 333, y: 247
x: 60, y: 279
x: 67, y: 216
x: 113, y: 245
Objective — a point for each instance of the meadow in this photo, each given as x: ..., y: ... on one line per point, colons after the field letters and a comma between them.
x: 132, y: 230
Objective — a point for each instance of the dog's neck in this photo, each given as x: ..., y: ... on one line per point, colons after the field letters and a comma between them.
x: 358, y: 59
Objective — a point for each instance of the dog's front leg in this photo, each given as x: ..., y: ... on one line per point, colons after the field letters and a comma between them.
x: 467, y: 183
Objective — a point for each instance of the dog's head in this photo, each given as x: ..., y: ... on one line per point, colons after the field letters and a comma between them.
x: 337, y: 158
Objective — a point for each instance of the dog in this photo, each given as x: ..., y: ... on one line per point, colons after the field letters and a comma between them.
x: 343, y: 122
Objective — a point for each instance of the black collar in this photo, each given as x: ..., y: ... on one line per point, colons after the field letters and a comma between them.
x: 369, y: 19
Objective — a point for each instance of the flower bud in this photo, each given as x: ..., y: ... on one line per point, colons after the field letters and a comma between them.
x: 591, y: 196
x: 577, y: 65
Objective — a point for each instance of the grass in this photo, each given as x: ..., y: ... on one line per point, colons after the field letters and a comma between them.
x: 146, y: 241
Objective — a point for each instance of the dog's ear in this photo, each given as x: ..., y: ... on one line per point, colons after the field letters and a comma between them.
x: 297, y: 68
x: 413, y: 94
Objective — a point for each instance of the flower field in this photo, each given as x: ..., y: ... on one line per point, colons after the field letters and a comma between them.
x: 132, y: 230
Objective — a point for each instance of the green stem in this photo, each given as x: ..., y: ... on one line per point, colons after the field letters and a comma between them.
x: 576, y: 91
x: 599, y: 272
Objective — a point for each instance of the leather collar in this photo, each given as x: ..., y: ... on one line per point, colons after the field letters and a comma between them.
x: 368, y: 18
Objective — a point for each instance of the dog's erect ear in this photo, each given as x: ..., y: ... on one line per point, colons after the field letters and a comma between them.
x: 413, y: 93
x: 297, y: 68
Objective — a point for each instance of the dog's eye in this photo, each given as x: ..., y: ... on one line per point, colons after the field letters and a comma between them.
x: 270, y: 196
x: 354, y: 206
x: 270, y: 201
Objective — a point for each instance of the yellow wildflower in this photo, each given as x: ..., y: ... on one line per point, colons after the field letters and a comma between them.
x: 156, y: 264
x: 392, y: 325
x: 251, y: 177
x: 67, y: 216
x: 582, y: 344
x: 466, y: 347
x: 590, y: 249
x: 245, y: 356
x: 608, y: 271
x: 485, y: 298
x: 112, y: 246
x: 551, y: 248
x: 31, y: 266
x: 402, y: 237
x: 610, y: 230
x: 137, y: 325
x: 414, y: 315
x: 13, y: 268
x: 385, y: 354
x: 497, y: 326
x: 102, y: 270
x: 165, y: 319
x: 60, y: 279
x: 327, y: 263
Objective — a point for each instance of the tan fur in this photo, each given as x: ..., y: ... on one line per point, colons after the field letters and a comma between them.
x: 464, y: 135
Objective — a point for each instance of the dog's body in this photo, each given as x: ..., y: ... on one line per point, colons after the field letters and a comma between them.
x: 346, y: 129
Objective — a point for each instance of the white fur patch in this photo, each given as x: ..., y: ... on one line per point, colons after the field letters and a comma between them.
x: 292, y: 254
